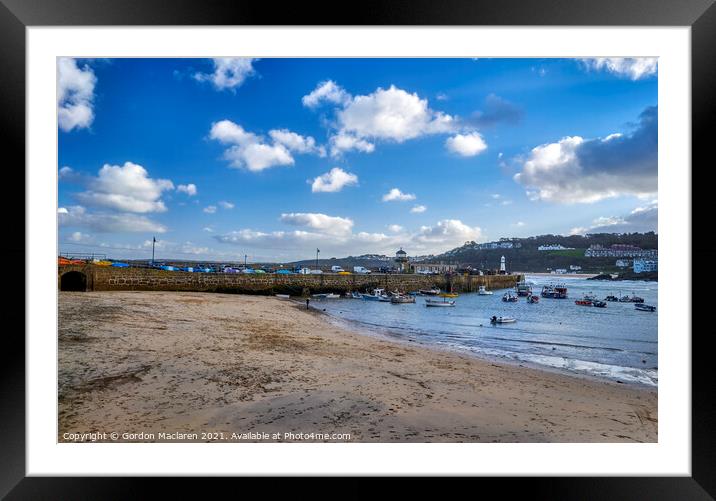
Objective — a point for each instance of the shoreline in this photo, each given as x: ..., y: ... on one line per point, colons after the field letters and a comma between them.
x: 386, y: 333
x: 146, y: 361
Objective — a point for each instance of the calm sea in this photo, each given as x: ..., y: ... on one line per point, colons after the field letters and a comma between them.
x: 616, y: 342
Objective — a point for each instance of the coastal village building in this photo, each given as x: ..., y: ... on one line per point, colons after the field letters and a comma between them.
x: 645, y: 265
x: 623, y: 263
x: 553, y: 247
x: 620, y: 250
x: 401, y: 258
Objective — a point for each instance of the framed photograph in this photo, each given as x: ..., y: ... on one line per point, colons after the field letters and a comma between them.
x: 423, y: 241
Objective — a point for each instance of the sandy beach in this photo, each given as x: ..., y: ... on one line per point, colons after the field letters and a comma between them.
x: 169, y: 362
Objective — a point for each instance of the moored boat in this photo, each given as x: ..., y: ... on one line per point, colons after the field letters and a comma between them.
x: 402, y: 299
x: 631, y: 299
x: 429, y: 292
x: 599, y: 304
x: 508, y: 297
x: 377, y: 295
x: 611, y: 298
x: 448, y: 294
x: 522, y: 289
x: 644, y: 307
x: 444, y: 303
x: 483, y: 292
x: 502, y: 320
x: 532, y: 298
x: 554, y: 291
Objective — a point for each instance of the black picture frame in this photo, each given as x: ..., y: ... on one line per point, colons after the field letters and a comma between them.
x: 16, y: 15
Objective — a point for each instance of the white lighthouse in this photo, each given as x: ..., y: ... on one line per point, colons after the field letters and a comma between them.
x: 502, y: 264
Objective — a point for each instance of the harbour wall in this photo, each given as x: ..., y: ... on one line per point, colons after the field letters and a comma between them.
x: 103, y: 278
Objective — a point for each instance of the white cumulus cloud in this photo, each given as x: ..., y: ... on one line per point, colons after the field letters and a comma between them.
x: 189, y: 189
x: 253, y: 152
x: 331, y: 225
x: 226, y: 205
x: 75, y: 94
x: 634, y: 68
x: 210, y: 209
x: 389, y: 115
x: 78, y: 216
x: 392, y: 114
x: 126, y: 188
x: 466, y: 145
x: 229, y: 72
x: 334, y: 180
x: 448, y: 232
x: 395, y: 195
x: 326, y: 92
x: 575, y: 169
x: 418, y: 209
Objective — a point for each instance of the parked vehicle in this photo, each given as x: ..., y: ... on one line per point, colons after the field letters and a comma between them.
x: 361, y: 270
x: 336, y: 269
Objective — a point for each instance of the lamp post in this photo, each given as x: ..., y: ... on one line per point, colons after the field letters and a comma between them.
x: 154, y: 240
x: 317, y: 251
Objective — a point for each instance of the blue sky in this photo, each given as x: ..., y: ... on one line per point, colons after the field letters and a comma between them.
x: 277, y: 157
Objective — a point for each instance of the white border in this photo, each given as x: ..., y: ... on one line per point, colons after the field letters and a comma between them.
x: 670, y: 456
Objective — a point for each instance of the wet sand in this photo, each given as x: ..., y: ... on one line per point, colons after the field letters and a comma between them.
x: 152, y: 362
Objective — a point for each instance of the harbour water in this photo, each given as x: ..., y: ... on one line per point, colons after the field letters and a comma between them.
x: 618, y: 342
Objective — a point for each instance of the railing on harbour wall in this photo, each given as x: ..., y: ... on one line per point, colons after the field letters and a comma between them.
x: 100, y: 278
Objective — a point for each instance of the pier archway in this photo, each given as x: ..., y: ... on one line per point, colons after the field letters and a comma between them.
x: 75, y: 281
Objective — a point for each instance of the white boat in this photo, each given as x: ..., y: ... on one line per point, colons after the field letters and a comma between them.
x: 430, y: 292
x: 502, y: 320
x: 401, y: 299
x: 644, y: 307
x: 435, y: 302
x: 509, y: 298
x: 283, y: 296
x: 483, y: 292
x: 329, y: 295
x: 377, y: 295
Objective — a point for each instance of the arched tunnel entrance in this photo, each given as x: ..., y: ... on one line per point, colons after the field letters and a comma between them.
x: 73, y: 281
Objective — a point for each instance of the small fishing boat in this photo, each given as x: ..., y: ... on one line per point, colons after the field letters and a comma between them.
x: 599, y: 304
x: 611, y: 298
x: 377, y: 295
x: 448, y: 294
x: 554, y: 291
x: 509, y: 298
x: 502, y: 320
x: 356, y: 295
x: 532, y: 298
x: 631, y: 299
x: 590, y: 297
x: 583, y: 302
x: 329, y: 295
x: 444, y: 303
x: 429, y: 292
x: 644, y: 307
x: 402, y: 299
x: 522, y: 289
x: 483, y: 292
